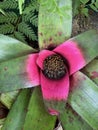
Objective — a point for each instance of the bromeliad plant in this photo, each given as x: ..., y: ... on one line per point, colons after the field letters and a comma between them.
x: 54, y: 72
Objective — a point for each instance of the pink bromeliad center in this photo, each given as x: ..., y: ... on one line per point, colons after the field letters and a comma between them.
x: 52, y: 70
x: 54, y: 67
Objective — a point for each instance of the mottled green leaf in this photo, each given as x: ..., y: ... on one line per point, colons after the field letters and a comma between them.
x: 16, y: 116
x: 14, y: 75
x: 55, y: 22
x: 37, y: 117
x: 12, y: 48
x: 91, y: 70
x: 84, y: 98
x: 70, y: 120
x: 87, y: 42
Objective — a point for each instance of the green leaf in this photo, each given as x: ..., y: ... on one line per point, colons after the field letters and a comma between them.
x: 2, y: 11
x: 20, y: 3
x: 84, y: 1
x: 70, y: 120
x: 83, y: 98
x: 76, y: 5
x: 96, y: 4
x: 14, y: 75
x: 27, y: 30
x: 94, y: 7
x: 8, y: 17
x: 1, y: 123
x: 7, y: 99
x: 91, y: 70
x: 32, y: 6
x: 6, y: 28
x: 85, y: 11
x: 12, y: 48
x: 37, y: 118
x: 87, y: 42
x: 55, y: 22
x: 16, y: 116
x: 8, y: 4
x: 20, y: 36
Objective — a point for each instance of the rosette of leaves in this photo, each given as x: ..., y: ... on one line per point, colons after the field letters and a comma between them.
x: 28, y: 111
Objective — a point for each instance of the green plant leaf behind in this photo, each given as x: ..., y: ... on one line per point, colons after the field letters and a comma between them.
x: 12, y: 48
x: 14, y: 75
x: 84, y: 1
x: 37, y: 118
x: 16, y: 116
x: 7, y: 99
x: 2, y: 11
x: 91, y: 70
x: 1, y: 123
x: 70, y: 120
x: 20, y: 3
x: 83, y: 98
x: 55, y: 22
x: 85, y: 11
x: 76, y: 5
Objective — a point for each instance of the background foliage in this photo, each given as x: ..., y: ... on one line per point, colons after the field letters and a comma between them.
x: 20, y: 24
x: 83, y: 6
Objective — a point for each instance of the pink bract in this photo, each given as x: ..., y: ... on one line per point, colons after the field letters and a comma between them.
x: 53, y: 112
x: 73, y: 54
x: 55, y: 89
x: 33, y: 70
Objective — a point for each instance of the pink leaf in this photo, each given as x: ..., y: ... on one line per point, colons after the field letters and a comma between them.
x: 55, y: 89
x: 73, y: 54
x: 32, y: 69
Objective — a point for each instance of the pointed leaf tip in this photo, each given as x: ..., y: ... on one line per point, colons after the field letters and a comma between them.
x: 11, y: 48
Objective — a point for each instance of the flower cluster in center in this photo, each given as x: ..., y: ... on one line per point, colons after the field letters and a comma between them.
x: 54, y: 67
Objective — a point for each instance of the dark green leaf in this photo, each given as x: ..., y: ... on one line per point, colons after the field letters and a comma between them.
x: 16, y: 116
x: 37, y: 118
x: 27, y: 30
x: 84, y: 1
x: 76, y: 5
x: 91, y: 70
x: 94, y: 7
